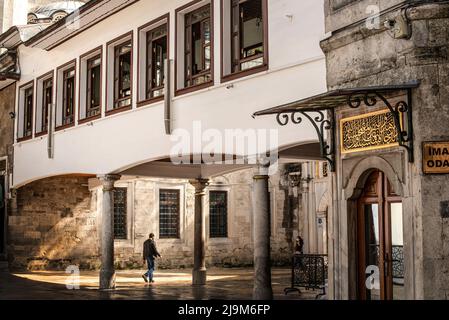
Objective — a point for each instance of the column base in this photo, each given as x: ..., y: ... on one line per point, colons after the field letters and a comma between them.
x: 199, y: 277
x: 107, y: 279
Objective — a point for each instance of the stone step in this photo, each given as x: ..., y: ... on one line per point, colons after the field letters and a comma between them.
x: 4, y: 266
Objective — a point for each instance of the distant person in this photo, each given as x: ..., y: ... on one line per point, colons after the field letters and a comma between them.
x: 299, y: 245
x: 149, y: 254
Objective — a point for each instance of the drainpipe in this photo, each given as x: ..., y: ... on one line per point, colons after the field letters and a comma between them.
x: 167, y: 97
x: 50, y: 139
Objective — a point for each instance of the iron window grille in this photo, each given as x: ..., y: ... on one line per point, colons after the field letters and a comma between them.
x: 120, y: 213
x: 122, y: 75
x: 47, y: 100
x: 198, y: 50
x: 157, y: 44
x: 93, y: 86
x: 68, y: 96
x: 218, y: 214
x: 28, y: 113
x: 169, y: 213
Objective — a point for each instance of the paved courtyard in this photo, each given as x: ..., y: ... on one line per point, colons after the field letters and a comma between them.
x: 223, y: 284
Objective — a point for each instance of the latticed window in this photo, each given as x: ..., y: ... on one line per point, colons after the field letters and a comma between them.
x: 218, y: 214
x: 169, y: 213
x: 120, y: 216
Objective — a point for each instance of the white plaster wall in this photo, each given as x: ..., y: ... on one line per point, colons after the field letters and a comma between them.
x: 296, y: 71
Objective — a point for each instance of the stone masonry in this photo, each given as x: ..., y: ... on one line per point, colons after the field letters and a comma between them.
x: 58, y: 223
x: 358, y: 56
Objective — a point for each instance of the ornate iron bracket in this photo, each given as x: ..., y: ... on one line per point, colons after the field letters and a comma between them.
x: 321, y: 123
x: 399, y: 111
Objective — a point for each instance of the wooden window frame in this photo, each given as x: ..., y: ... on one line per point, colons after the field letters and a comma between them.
x: 66, y: 77
x: 221, y: 236
x: 46, y: 86
x: 114, y: 44
x: 143, y: 32
x: 89, y: 87
x: 178, y: 224
x: 118, y: 81
x: 244, y: 73
x: 71, y: 65
x: 94, y: 54
x: 192, y: 88
x: 150, y: 61
x: 23, y: 91
x: 45, y: 78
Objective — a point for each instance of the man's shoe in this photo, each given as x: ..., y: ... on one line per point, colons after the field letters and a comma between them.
x: 152, y: 281
x: 144, y: 278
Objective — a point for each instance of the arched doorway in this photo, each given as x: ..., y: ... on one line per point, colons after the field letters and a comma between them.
x: 380, y: 241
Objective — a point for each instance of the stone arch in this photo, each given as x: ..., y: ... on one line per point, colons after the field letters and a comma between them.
x: 325, y: 202
x: 361, y: 172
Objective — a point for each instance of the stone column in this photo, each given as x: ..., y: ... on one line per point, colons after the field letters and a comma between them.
x: 107, y: 272
x: 261, y: 217
x: 199, y: 250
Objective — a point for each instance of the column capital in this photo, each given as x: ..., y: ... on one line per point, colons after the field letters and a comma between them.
x: 199, y: 184
x: 107, y: 180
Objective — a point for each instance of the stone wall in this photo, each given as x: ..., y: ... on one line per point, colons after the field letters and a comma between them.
x: 359, y: 57
x: 55, y: 225
x: 7, y: 98
x: 58, y: 223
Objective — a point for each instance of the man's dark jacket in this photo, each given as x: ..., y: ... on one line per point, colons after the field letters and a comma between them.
x: 149, y: 249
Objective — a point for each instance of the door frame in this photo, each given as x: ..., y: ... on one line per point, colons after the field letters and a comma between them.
x: 384, y: 197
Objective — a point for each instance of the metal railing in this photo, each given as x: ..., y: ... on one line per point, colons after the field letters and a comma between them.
x: 309, y: 271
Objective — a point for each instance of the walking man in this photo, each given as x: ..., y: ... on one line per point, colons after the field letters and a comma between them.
x: 149, y: 254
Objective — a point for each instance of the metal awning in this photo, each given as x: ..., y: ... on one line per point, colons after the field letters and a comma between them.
x: 336, y: 98
x: 320, y: 111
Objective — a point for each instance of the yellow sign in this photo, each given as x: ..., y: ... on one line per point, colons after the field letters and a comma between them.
x: 436, y: 157
x: 375, y: 130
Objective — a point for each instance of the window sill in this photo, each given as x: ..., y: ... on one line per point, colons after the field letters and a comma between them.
x: 85, y: 120
x: 66, y: 126
x: 24, y: 139
x: 149, y: 101
x: 245, y: 73
x: 118, y: 110
x: 40, y: 134
x: 190, y: 89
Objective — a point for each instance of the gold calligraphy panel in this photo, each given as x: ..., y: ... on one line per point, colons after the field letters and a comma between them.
x: 370, y: 131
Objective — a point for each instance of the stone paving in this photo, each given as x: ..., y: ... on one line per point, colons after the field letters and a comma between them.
x: 223, y: 284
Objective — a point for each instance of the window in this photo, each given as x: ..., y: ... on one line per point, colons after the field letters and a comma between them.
x: 122, y: 75
x: 169, y: 213
x: 198, y: 47
x: 153, y: 55
x: 194, y: 63
x: 90, y: 85
x: 68, y: 97
x: 157, y: 43
x: 218, y: 214
x: 120, y: 213
x: 65, y: 95
x: 245, y: 44
x: 44, y: 102
x: 28, y: 113
x: 47, y: 100
x: 119, y: 73
x: 93, y: 86
x: 26, y: 105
